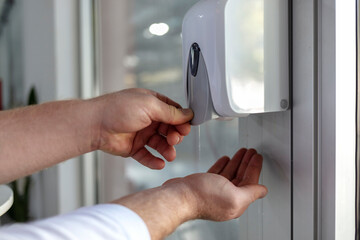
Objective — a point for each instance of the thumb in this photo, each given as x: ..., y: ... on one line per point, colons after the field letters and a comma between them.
x: 253, y: 192
x: 169, y: 114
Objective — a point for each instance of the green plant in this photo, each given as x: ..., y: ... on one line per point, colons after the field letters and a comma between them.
x: 19, y: 212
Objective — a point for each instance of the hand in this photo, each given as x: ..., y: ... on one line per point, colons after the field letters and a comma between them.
x: 228, y: 188
x: 134, y: 118
x: 223, y: 193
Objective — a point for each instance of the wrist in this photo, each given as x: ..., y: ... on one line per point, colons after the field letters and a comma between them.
x: 163, y: 208
x: 95, y: 106
x: 185, y: 202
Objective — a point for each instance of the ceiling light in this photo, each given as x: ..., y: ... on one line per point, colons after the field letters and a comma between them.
x: 159, y: 29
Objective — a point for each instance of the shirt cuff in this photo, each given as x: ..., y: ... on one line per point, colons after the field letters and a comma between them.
x: 99, y: 222
x: 130, y: 224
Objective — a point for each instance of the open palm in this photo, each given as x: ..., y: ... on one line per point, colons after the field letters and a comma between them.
x: 228, y: 188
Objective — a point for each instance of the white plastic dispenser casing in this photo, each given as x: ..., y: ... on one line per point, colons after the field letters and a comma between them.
x: 236, y: 58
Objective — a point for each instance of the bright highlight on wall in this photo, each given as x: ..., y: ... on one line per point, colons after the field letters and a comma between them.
x: 159, y: 29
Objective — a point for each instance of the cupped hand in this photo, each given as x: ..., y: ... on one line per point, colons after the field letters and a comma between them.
x: 227, y: 190
x: 134, y: 118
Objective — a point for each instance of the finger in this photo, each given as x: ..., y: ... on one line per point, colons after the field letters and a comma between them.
x: 181, y: 139
x: 173, y: 137
x: 160, y: 144
x: 250, y: 193
x: 252, y: 173
x: 143, y: 136
x: 230, y: 170
x: 244, y: 163
x: 176, y: 133
x: 219, y: 165
x: 184, y: 129
x: 163, y: 129
x: 165, y: 113
x: 144, y: 157
x: 157, y: 95
x: 165, y: 99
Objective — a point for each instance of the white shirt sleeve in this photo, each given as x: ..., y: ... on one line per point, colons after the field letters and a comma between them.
x: 100, y: 222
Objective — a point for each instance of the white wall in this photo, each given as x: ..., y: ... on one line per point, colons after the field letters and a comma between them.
x: 112, y: 182
x: 46, y: 56
x: 67, y: 86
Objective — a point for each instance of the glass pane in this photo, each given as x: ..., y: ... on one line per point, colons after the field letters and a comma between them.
x: 11, y: 55
x: 154, y: 61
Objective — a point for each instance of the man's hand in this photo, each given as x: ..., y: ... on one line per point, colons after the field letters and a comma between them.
x: 131, y: 119
x: 229, y: 187
x: 121, y: 123
x: 223, y: 193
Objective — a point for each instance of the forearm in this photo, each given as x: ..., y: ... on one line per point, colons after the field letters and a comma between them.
x: 163, y: 209
x: 40, y: 136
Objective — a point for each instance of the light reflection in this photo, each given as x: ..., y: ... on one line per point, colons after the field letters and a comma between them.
x: 159, y: 29
x: 131, y: 61
x: 248, y: 94
x: 244, y: 26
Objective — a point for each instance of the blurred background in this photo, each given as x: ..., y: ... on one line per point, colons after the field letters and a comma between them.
x: 81, y: 49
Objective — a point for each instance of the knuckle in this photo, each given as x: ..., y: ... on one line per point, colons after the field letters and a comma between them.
x: 172, y: 113
x: 150, y: 102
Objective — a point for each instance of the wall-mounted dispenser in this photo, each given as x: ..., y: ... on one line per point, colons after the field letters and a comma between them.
x: 236, y: 58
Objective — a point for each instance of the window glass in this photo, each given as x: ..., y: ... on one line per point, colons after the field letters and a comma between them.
x: 154, y: 61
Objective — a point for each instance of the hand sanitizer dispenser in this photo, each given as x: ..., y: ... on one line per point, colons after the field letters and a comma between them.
x: 236, y: 58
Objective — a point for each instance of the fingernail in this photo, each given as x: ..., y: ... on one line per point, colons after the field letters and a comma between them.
x: 178, y: 140
x: 186, y: 111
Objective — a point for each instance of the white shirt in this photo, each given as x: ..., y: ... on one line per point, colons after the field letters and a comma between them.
x: 100, y: 222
